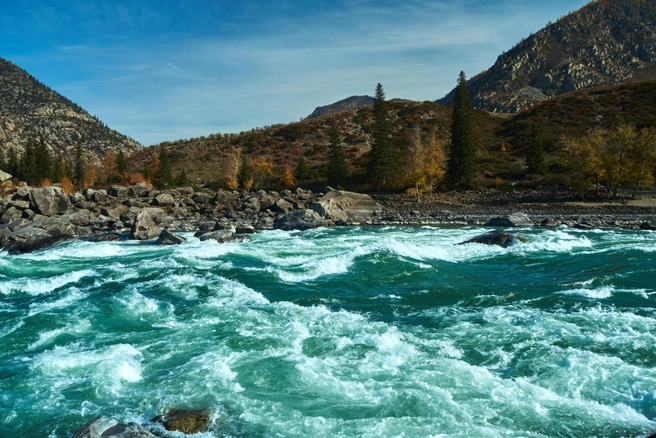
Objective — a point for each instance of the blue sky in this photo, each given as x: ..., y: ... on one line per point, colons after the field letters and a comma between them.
x: 160, y: 70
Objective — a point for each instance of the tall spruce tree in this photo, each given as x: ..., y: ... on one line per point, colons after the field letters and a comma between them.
x: 182, y: 179
x: 28, y: 171
x: 121, y: 165
x: 13, y: 166
x: 383, y: 160
x: 337, y: 170
x: 461, y: 166
x: 164, y: 177
x: 302, y: 170
x: 79, y: 164
x: 535, y: 153
x: 43, y: 161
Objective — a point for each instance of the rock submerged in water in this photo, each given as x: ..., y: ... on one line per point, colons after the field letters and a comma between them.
x: 35, y: 243
x: 168, y: 238
x: 103, y: 427
x: 499, y: 238
x: 187, y: 422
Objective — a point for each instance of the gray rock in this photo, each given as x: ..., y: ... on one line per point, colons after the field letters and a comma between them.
x: 222, y: 236
x: 155, y: 213
x: 144, y: 228
x: 498, y: 238
x: 4, y: 176
x: 225, y: 198
x: 115, y: 212
x: 186, y: 191
x: 282, y: 206
x: 36, y: 243
x: 180, y: 212
x: 518, y: 219
x: 103, y: 427
x: 649, y: 225
x: 342, y: 205
x: 140, y: 190
x: 118, y: 191
x: 549, y: 223
x: 164, y: 199
x: 99, y: 196
x: 50, y: 201
x: 299, y: 220
x: 20, y: 205
x: 208, y: 226
x: 201, y: 198
x: 168, y: 238
x: 245, y: 229
x: 11, y: 214
x: 251, y: 203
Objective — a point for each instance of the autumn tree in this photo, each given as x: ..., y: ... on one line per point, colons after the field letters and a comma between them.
x: 581, y: 157
x: 245, y: 175
x: 461, y: 166
x: 640, y: 165
x: 337, y: 169
x: 425, y: 164
x: 79, y: 165
x: 108, y: 168
x: 287, y: 178
x: 261, y: 168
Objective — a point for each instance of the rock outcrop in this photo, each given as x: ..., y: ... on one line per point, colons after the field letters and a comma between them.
x: 103, y: 427
x: 30, y: 109
x: 299, y: 220
x: 144, y: 228
x: 604, y: 43
x: 49, y: 201
x: 349, y: 103
x: 338, y: 205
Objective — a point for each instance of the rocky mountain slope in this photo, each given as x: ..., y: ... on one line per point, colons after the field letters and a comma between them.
x: 607, y: 42
x: 29, y: 109
x: 350, y: 103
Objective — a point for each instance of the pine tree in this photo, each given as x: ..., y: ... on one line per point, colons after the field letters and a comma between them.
x: 302, y: 170
x: 461, y: 166
x: 383, y: 160
x: 535, y: 154
x: 121, y: 165
x: 42, y: 161
x: 79, y: 164
x: 28, y: 170
x: 164, y: 177
x: 182, y: 180
x: 337, y: 170
x: 13, y: 167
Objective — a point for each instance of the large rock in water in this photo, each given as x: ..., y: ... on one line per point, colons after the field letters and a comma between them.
x: 187, y: 422
x: 299, y: 220
x: 498, y: 238
x: 341, y: 205
x: 103, y: 427
x: 35, y: 243
x: 144, y: 228
x: 168, y: 238
x: 518, y: 219
x: 49, y: 201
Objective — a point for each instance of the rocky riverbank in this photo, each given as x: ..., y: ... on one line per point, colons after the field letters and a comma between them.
x: 34, y: 218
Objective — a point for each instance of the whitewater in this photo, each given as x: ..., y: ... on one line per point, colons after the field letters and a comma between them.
x: 341, y: 332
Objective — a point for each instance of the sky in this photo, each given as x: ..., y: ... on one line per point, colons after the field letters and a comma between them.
x: 162, y: 70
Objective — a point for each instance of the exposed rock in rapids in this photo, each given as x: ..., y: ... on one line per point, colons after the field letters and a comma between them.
x: 497, y: 237
x: 299, y: 220
x: 518, y: 219
x: 221, y: 236
x: 245, y: 229
x: 144, y: 228
x: 187, y: 422
x: 649, y: 225
x: 168, y: 238
x: 103, y: 427
x: 34, y: 243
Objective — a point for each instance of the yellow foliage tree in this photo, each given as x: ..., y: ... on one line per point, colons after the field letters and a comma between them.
x: 108, y: 168
x: 640, y: 165
x: 287, y: 179
x: 581, y: 157
x: 261, y: 168
x: 425, y: 161
x: 90, y: 176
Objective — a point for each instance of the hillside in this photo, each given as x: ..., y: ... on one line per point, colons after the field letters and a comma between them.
x: 350, y: 103
x: 207, y: 160
x: 576, y: 113
x: 30, y: 109
x: 604, y: 43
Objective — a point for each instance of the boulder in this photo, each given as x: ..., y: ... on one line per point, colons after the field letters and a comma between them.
x: 4, y: 176
x: 299, y: 220
x: 549, y: 223
x: 144, y: 228
x: 140, y: 190
x: 19, y: 205
x: 222, y: 236
x: 186, y: 191
x: 109, y: 428
x: 50, y: 201
x: 109, y: 237
x: 36, y: 243
x: 245, y: 229
x: 649, y: 225
x: 11, y: 214
x: 164, y: 199
x: 518, y: 219
x: 188, y: 422
x: 342, y: 205
x: 266, y: 200
x: 118, y: 191
x: 251, y: 203
x: 99, y: 196
x: 207, y: 226
x: 201, y: 198
x: 282, y: 206
x: 115, y: 212
x: 155, y: 213
x: 168, y: 238
x: 225, y: 198
x: 180, y: 212
x: 496, y: 237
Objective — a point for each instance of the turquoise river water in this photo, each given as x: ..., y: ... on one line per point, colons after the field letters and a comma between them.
x: 344, y: 332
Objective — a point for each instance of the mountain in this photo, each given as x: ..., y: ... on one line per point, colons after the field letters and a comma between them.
x: 350, y: 103
x: 606, y: 42
x: 29, y: 109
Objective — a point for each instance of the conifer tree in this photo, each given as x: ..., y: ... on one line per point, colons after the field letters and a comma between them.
x: 28, y: 170
x: 3, y: 159
x: 121, y: 165
x: 42, y: 161
x: 461, y: 166
x: 182, y: 180
x: 13, y: 167
x: 337, y: 170
x: 79, y: 164
x: 535, y: 154
x: 164, y: 176
x: 383, y: 161
x: 302, y: 170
